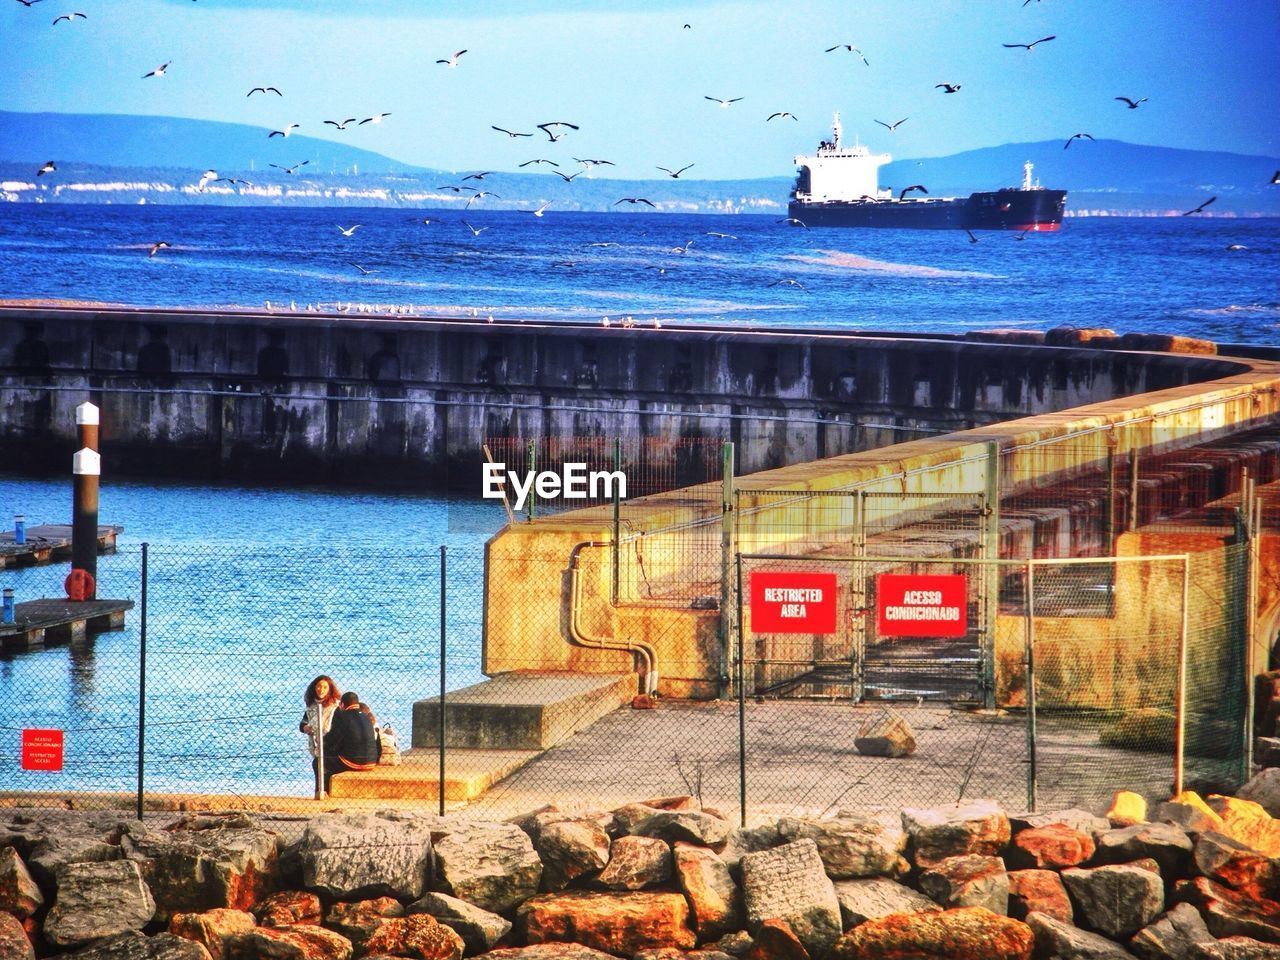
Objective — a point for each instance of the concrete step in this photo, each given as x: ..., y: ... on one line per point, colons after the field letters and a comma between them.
x: 520, y: 711
x: 467, y: 774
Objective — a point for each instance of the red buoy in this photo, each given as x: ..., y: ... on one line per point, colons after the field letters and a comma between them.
x: 80, y: 585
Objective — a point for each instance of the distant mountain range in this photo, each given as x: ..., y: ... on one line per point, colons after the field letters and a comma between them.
x: 131, y: 159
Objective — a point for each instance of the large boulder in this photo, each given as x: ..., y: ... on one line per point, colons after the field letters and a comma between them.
x: 1038, y: 891
x: 713, y: 897
x: 212, y: 929
x: 1231, y: 913
x: 936, y: 833
x: 549, y: 951
x: 1264, y: 790
x: 569, y: 849
x: 1178, y: 935
x: 1238, y: 948
x: 871, y: 899
x: 636, y: 863
x: 304, y: 942
x: 692, y: 826
x: 969, y: 881
x: 746, y: 840
x: 790, y: 883
x: 420, y: 936
x: 965, y: 933
x: 775, y: 940
x: 1188, y: 811
x: 80, y: 843
x: 621, y: 923
x: 1229, y: 861
x: 493, y: 866
x: 479, y: 929
x: 97, y: 900
x: 1116, y: 901
x: 1164, y: 843
x: 1127, y: 809
x: 135, y: 946
x: 1057, y: 939
x: 1052, y: 847
x: 203, y: 864
x: 1075, y: 818
x: 355, y: 856
x: 852, y: 844
x: 289, y: 908
x: 14, y: 943
x: 19, y: 893
x: 886, y: 735
x: 358, y: 920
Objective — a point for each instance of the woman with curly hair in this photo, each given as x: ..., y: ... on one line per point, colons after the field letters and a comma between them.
x: 322, y: 698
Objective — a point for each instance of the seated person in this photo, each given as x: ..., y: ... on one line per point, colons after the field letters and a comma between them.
x: 351, y: 743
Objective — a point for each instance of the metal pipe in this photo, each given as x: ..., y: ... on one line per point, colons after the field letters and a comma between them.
x: 742, y: 709
x: 1180, y: 710
x: 86, y: 466
x: 142, y: 682
x: 1031, y: 686
x: 443, y: 634
x: 646, y: 653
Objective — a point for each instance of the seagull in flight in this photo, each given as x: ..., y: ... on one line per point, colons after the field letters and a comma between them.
x: 349, y: 231
x: 675, y: 174
x: 70, y: 17
x: 793, y: 221
x: 723, y: 103
x: 341, y: 125
x: 475, y: 231
x: 207, y: 177
x: 539, y: 160
x: 247, y: 183
x: 947, y: 87
x: 1133, y: 104
x: 893, y: 126
x: 1076, y: 136
x: 539, y: 212
x: 850, y: 47
x: 634, y: 200
x: 48, y: 167
x: 546, y: 128
x: 157, y: 247
x: 788, y: 282
x: 158, y: 71
x: 1028, y: 46
x: 450, y: 186
x: 376, y: 118
x: 478, y: 176
x: 914, y: 186
x: 1201, y: 207
x: 452, y: 61
x: 480, y: 195
x: 264, y: 90
x: 567, y: 177
x: 594, y: 163
x: 285, y: 132
x: 722, y: 236
x: 972, y: 238
x: 1274, y: 179
x: 784, y: 114
x: 27, y: 3
x: 289, y: 169
x: 510, y: 133
x: 364, y: 272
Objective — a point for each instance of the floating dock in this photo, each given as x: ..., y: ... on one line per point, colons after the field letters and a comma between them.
x: 49, y: 542
x: 37, y: 622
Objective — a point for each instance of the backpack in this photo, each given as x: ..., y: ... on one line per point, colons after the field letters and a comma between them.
x: 390, y: 748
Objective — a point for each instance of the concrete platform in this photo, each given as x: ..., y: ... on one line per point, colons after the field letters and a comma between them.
x: 521, y: 711
x: 39, y: 621
x: 467, y: 775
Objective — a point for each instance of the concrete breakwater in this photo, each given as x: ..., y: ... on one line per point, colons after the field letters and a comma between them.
x: 407, y: 402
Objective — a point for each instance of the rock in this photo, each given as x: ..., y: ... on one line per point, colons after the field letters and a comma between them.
x: 549, y: 951
x: 626, y: 817
x: 14, y: 944
x: 1075, y: 818
x: 1260, y: 834
x: 1066, y: 336
x: 532, y: 822
x: 886, y: 735
x: 851, y: 844
x: 1168, y: 845
x: 1175, y: 936
x: 1054, y: 938
x: 637, y: 862
x: 1264, y: 790
x: 569, y: 849
x: 203, y: 865
x: 863, y: 900
x: 479, y: 929
x: 1116, y: 901
x: 714, y: 899
x: 354, y: 856
x: 735, y: 944
x: 1229, y: 913
x: 776, y: 941
x: 1229, y: 861
x: 969, y: 881
x: 418, y: 935
x: 1051, y: 847
x: 303, y: 942
x: 694, y: 826
x: 674, y: 953
x: 289, y: 908
x: 134, y: 946
x: 977, y: 826
x: 19, y: 893
x: 212, y: 929
x: 51, y: 851
x: 1238, y: 948
x: 966, y: 933
x: 493, y: 866
x: 789, y: 883
x: 621, y: 923
x: 1127, y: 808
x: 1038, y: 891
x: 1190, y: 812
x: 749, y: 840
x: 357, y: 921
x: 1167, y: 343
x: 97, y: 900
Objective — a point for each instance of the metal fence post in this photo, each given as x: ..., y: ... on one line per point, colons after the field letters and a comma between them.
x: 991, y: 575
x: 1180, y: 720
x: 443, y: 623
x: 1031, y: 685
x: 533, y: 472
x: 1133, y: 490
x: 727, y: 607
x: 858, y: 664
x: 142, y: 681
x: 742, y: 709
x: 617, y: 515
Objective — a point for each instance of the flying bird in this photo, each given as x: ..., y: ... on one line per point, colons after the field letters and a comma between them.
x: 289, y: 169
x: 1022, y: 235
x: 364, y: 272
x: 1028, y: 46
x: 205, y: 178
x: 1201, y: 207
x: 972, y: 238
x: 478, y: 176
x: 722, y: 236
x: 567, y: 177
x: 285, y: 132
x: 787, y: 282
x: 452, y: 61
x: 48, y: 167
x: 475, y: 231
x: 349, y: 231
x: 27, y: 3
x: 376, y: 118
x: 546, y: 128
x: 635, y: 200
x: 723, y: 103
x: 1133, y: 104
x: 158, y: 71
x: 450, y: 186
x: 69, y: 17
x: 915, y: 186
x: 675, y: 174
x: 850, y: 47
x: 480, y: 195
x: 157, y: 247
x: 247, y: 183
x: 947, y: 87
x: 893, y: 126
x: 1275, y: 178
x: 539, y: 160
x: 510, y: 133
x: 341, y: 124
x: 539, y: 211
x: 794, y: 221
x: 594, y: 163
x: 1236, y: 246
x: 264, y: 90
x: 782, y: 113
x: 1076, y: 136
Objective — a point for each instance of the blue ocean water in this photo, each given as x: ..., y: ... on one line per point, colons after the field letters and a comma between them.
x: 1168, y: 275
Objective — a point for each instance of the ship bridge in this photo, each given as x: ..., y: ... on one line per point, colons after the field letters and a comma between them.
x: 837, y: 172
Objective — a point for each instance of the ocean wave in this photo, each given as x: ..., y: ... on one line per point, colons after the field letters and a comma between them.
x: 852, y: 261
x: 1261, y: 311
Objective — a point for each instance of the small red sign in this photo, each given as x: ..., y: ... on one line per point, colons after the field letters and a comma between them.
x: 921, y: 606
x: 41, y: 749
x: 784, y: 602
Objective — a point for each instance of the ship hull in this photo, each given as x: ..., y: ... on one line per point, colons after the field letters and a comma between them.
x: 1038, y: 210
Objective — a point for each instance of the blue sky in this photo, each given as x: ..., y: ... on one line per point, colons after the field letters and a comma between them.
x: 634, y: 79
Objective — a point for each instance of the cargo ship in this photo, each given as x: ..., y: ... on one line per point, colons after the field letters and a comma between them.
x: 838, y: 187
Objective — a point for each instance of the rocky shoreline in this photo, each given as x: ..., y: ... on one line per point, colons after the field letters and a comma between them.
x: 1190, y: 879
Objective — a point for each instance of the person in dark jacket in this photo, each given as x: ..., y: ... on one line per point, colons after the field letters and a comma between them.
x: 351, y: 743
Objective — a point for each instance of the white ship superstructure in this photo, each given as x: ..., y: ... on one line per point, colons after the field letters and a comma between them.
x: 837, y: 172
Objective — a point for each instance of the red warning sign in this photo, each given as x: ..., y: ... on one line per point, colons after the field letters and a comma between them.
x: 921, y: 606
x: 785, y: 602
x: 41, y: 749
